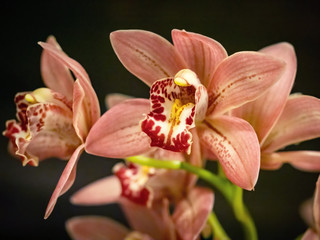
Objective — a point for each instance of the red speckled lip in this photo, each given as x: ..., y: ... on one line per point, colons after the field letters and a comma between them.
x: 171, y: 116
x: 133, y: 179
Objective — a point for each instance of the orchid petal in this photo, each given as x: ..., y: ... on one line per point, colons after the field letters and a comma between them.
x: 81, y: 112
x: 114, y: 98
x: 241, y: 78
x: 195, y: 158
x: 201, y: 102
x: 117, y: 133
x: 66, y: 180
x: 310, y: 234
x: 264, y: 111
x: 103, y: 191
x: 154, y: 221
x: 300, y: 121
x: 202, y: 54
x: 235, y: 143
x: 316, y: 207
x: 303, y: 160
x: 55, y: 74
x: 168, y: 184
x: 191, y: 213
x: 146, y: 55
x: 95, y: 228
x: 306, y: 211
x: 80, y: 74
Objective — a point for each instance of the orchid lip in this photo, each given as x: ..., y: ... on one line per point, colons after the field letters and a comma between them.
x: 133, y: 179
x: 173, y: 110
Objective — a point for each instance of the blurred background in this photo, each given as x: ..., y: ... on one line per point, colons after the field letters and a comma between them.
x: 82, y: 28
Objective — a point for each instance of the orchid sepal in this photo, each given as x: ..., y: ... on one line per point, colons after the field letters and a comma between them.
x: 235, y: 144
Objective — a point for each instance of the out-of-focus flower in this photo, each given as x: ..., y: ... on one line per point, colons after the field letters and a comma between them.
x: 198, y: 85
x: 145, y: 195
x: 281, y: 120
x: 54, y: 121
x: 310, y: 211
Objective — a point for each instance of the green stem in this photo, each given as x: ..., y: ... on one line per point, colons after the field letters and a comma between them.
x: 231, y: 192
x: 242, y: 214
x: 218, y: 231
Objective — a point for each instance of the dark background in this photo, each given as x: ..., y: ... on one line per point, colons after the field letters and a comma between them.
x: 82, y: 29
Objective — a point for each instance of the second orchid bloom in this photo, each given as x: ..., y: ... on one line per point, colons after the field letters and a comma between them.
x: 54, y: 121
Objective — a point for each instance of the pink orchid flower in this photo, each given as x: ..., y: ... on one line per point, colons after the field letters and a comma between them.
x: 144, y: 195
x: 194, y: 84
x: 281, y: 120
x: 54, y: 121
x: 311, y: 214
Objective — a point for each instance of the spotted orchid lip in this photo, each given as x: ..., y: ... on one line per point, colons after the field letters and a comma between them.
x: 133, y: 179
x: 173, y: 111
x: 172, y: 114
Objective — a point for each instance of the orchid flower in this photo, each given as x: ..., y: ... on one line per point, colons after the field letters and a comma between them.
x: 281, y: 120
x: 144, y: 194
x: 311, y: 213
x: 194, y: 84
x: 186, y: 222
x: 54, y: 121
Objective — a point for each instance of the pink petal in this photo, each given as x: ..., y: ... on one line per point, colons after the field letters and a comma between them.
x: 103, y: 191
x: 115, y: 98
x: 300, y: 121
x: 306, y: 211
x: 81, y: 112
x: 202, y: 54
x: 154, y: 221
x: 201, y: 102
x: 235, y: 144
x: 146, y: 55
x: 66, y: 180
x: 303, y: 160
x: 54, y: 73
x: 117, y: 133
x: 95, y: 228
x: 195, y: 158
x: 264, y: 111
x: 191, y: 213
x: 310, y: 234
x: 241, y: 78
x: 73, y: 65
x: 316, y: 207
x: 80, y: 74
x: 168, y: 184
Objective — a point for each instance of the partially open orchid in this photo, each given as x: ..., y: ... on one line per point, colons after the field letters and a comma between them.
x: 54, y: 121
x: 194, y: 84
x: 311, y: 213
x: 145, y: 194
x: 281, y: 120
x: 149, y: 223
